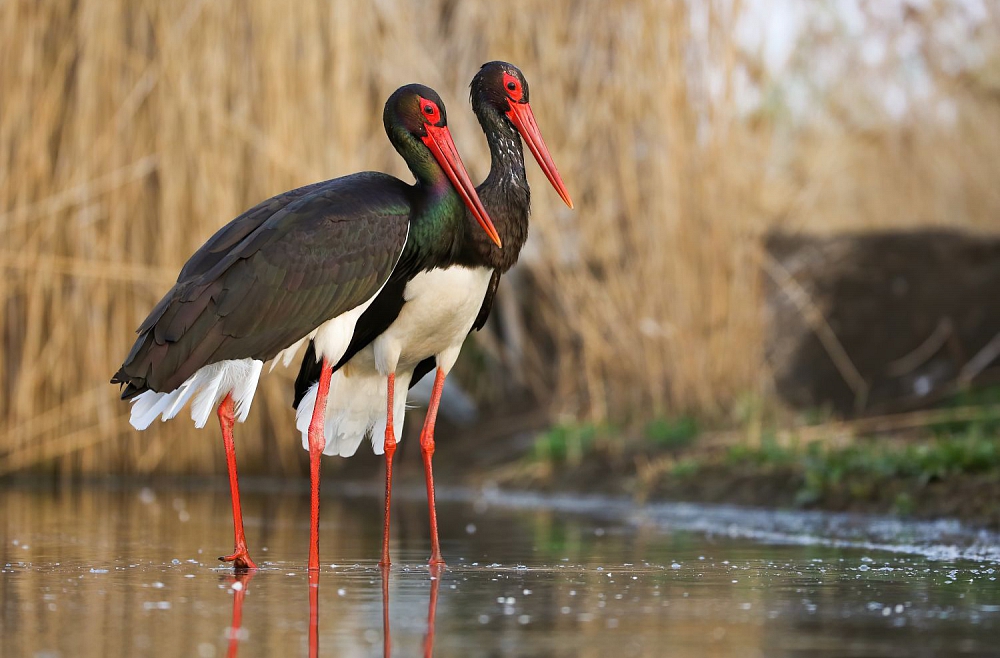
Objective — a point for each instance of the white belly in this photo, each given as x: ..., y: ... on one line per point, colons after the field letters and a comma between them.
x: 441, y: 306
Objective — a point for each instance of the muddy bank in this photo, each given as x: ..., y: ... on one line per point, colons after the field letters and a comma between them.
x: 973, y: 499
x: 867, y: 483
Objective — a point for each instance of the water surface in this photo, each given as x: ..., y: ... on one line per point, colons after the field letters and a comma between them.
x: 133, y: 572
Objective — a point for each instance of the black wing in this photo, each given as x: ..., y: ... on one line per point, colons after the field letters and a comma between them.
x: 272, y: 276
x: 229, y: 236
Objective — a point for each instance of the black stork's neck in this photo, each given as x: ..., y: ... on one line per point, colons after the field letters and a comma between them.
x: 504, y: 193
x: 437, y: 214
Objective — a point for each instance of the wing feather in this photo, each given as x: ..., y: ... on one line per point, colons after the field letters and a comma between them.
x: 271, y: 276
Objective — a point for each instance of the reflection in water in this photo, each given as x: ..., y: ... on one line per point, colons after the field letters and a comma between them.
x: 436, y: 573
x: 386, y: 632
x: 313, y: 613
x: 239, y: 585
x: 132, y: 573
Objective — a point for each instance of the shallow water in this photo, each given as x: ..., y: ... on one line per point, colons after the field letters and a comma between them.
x: 132, y: 572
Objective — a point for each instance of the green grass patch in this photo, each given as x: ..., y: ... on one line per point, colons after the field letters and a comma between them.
x: 857, y: 470
x: 568, y: 443
x: 769, y: 453
x: 672, y: 432
x: 571, y: 442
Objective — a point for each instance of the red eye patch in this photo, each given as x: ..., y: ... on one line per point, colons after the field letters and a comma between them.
x: 513, y: 86
x: 430, y: 110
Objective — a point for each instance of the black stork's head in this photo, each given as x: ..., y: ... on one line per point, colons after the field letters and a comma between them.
x: 499, y: 90
x: 417, y: 125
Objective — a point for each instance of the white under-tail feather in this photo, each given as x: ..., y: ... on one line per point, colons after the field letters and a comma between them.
x: 210, y: 384
x: 355, y: 409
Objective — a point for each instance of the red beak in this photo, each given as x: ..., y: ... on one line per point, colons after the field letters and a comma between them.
x: 524, y: 119
x: 442, y: 146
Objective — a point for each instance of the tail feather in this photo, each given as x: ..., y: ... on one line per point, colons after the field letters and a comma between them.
x: 355, y: 410
x: 245, y: 390
x: 207, y: 386
x: 207, y: 398
x: 146, y: 407
x: 180, y: 397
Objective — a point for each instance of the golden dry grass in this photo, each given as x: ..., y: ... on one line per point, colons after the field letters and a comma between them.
x: 130, y: 130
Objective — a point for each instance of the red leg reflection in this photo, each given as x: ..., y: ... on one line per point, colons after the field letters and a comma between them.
x: 390, y: 450
x: 313, y: 614
x: 436, y: 571
x: 427, y: 450
x: 240, y: 557
x: 386, y: 634
x: 317, y: 441
x: 239, y: 585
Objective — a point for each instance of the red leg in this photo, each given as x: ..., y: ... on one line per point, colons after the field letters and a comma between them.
x: 386, y: 633
x: 390, y: 450
x: 432, y: 609
x: 314, y: 614
x: 427, y: 449
x: 237, y: 623
x: 317, y: 441
x: 240, y: 557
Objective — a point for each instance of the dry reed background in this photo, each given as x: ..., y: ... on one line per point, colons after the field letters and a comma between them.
x: 130, y: 130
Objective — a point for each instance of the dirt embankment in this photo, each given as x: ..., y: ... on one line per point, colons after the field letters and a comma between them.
x: 786, y: 482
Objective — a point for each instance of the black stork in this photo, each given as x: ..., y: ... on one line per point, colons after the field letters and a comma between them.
x: 301, y: 266
x: 423, y: 315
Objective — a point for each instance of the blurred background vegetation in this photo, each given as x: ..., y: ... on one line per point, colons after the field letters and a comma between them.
x: 686, y: 131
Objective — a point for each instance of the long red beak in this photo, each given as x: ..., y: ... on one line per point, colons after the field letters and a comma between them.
x: 442, y: 146
x: 524, y: 119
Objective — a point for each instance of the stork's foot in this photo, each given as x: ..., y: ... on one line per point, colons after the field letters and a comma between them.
x: 240, y: 559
